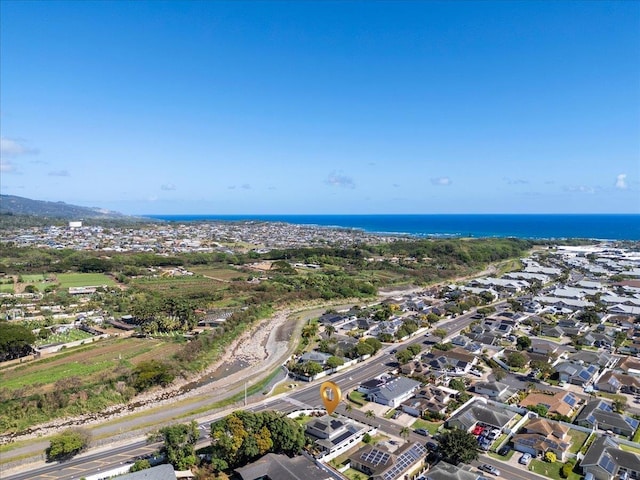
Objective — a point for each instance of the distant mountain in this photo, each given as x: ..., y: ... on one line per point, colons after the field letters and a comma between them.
x: 12, y: 205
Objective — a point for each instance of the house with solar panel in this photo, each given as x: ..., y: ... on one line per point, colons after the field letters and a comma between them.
x: 478, y: 414
x: 605, y: 460
x: 380, y: 463
x: 560, y: 403
x: 542, y: 435
x: 600, y: 414
x: 613, y: 382
x: 332, y: 436
x: 577, y: 374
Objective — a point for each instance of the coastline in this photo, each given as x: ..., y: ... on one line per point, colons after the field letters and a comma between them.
x: 599, y: 227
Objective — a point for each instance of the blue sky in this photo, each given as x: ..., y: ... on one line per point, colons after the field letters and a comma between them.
x: 322, y: 107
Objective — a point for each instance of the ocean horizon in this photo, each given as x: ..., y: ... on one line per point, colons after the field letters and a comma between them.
x: 533, y: 226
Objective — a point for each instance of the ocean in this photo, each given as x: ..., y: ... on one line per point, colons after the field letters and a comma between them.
x: 535, y: 226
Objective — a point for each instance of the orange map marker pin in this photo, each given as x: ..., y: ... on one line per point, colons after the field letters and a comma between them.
x: 331, y: 396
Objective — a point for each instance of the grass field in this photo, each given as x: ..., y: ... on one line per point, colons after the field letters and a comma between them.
x: 67, y: 280
x: 432, y: 427
x: 66, y: 337
x: 86, y: 362
x: 224, y: 274
x: 6, y: 288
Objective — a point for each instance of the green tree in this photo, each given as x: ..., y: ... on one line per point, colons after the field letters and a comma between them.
x: 404, y: 356
x: 499, y: 374
x: 541, y: 410
x: 363, y: 348
x: 334, y: 362
x: 458, y: 446
x: 374, y: 343
x: 369, y: 414
x: 151, y: 373
x: 140, y: 465
x: 404, y: 433
x: 68, y: 444
x: 516, y: 360
x: 15, y: 340
x: 179, y: 444
x: 329, y: 330
x: 457, y: 384
x: 440, y: 333
x: 523, y: 343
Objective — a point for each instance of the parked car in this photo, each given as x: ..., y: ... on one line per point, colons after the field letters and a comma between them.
x: 525, y: 459
x: 489, y: 469
x: 422, y: 431
x: 504, y: 450
x: 432, y: 447
x: 396, y: 414
x: 493, y: 434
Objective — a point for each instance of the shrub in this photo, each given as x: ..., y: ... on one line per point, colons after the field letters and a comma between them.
x: 566, y: 469
x: 550, y: 457
x: 68, y: 444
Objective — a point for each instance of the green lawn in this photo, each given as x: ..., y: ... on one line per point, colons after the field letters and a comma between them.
x: 432, y: 427
x: 70, y: 336
x: 577, y: 438
x: 550, y: 470
x: 67, y: 280
x: 6, y: 288
x: 357, y: 398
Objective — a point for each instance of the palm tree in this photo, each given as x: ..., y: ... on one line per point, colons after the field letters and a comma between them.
x: 369, y: 414
x: 329, y: 330
x: 348, y: 407
x: 404, y: 433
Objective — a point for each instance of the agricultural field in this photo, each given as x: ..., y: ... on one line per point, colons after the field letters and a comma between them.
x: 222, y: 274
x: 67, y: 280
x: 91, y: 363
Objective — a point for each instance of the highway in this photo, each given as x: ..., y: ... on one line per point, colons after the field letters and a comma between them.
x: 305, y: 396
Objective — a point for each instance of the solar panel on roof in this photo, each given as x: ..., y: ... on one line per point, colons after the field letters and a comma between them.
x: 632, y: 422
x: 375, y: 457
x: 608, y: 464
x: 605, y: 407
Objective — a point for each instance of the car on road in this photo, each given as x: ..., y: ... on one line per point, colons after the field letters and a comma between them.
x: 422, y: 431
x: 525, y: 459
x: 485, y: 467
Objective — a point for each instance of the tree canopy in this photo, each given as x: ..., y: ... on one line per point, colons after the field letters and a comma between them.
x: 458, y: 446
x: 67, y: 444
x: 179, y: 444
x: 15, y: 341
x: 244, y: 436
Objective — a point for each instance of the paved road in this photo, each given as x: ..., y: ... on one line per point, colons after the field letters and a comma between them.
x: 304, y: 397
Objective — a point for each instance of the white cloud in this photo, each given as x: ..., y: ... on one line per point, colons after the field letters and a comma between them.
x: 621, y: 181
x: 12, y: 148
x: 443, y: 181
x: 6, y: 166
x: 59, y: 173
x: 337, y: 180
x: 167, y: 187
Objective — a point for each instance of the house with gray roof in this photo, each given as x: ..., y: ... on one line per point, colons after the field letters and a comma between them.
x: 577, y: 374
x: 330, y: 434
x: 394, y: 391
x: 446, y: 471
x: 494, y: 390
x: 282, y: 467
x: 159, y: 472
x: 605, y: 460
x: 587, y: 357
x: 600, y: 414
x: 477, y: 413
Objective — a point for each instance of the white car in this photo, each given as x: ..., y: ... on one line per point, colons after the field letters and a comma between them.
x: 525, y: 459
